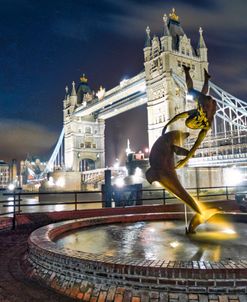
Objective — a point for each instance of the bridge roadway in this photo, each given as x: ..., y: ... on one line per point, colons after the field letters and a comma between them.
x: 127, y: 95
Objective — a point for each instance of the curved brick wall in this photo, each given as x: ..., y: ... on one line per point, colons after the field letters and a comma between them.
x: 64, y: 269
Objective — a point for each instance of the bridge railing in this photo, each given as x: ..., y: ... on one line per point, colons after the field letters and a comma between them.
x: 91, y: 175
x: 28, y: 202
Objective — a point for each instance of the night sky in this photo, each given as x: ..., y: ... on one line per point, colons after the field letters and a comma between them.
x: 45, y: 45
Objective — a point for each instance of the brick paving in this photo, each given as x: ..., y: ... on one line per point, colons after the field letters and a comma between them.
x: 14, y: 286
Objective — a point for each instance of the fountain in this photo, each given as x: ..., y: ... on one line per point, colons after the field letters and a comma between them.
x: 145, y: 251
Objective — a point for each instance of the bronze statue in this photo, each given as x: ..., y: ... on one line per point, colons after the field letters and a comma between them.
x: 162, y: 169
x: 162, y: 153
x: 199, y: 118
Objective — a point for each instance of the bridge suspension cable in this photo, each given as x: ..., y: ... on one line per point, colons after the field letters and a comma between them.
x: 230, y: 108
x: 57, y: 156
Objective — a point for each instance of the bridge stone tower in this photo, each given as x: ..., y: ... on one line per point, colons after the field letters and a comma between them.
x: 162, y: 57
x: 84, y: 147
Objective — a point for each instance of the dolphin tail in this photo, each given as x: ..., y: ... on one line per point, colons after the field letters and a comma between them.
x: 197, y: 219
x: 173, y: 185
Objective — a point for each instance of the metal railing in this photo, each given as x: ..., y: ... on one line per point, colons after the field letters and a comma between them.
x: 148, y: 196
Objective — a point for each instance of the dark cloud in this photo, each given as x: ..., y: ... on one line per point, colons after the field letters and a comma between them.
x: 19, y: 138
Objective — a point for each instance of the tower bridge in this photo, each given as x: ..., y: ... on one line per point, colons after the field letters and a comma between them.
x: 162, y: 88
x: 127, y: 95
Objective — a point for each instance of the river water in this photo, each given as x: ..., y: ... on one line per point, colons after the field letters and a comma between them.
x: 34, y: 203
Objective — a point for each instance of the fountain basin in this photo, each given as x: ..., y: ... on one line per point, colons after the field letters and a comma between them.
x: 52, y: 263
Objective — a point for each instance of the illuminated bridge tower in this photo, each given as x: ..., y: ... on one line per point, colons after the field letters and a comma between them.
x: 162, y: 57
x: 84, y: 147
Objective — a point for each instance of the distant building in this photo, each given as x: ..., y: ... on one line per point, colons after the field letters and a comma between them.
x: 136, y: 160
x: 31, y: 169
x: 4, y: 174
x: 13, y: 171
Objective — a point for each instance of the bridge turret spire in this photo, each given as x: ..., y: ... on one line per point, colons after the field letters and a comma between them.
x: 201, y: 43
x: 147, y: 46
x: 166, y: 29
x: 128, y: 149
x: 202, y: 48
x: 66, y: 91
x: 148, y: 39
x: 73, y: 91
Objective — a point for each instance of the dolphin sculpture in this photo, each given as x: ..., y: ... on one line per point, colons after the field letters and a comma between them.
x: 163, y: 170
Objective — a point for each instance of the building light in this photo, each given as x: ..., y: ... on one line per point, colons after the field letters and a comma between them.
x: 123, y: 83
x: 11, y: 187
x: 138, y: 172
x: 51, y: 182
x: 189, y: 97
x: 119, y: 182
x: 232, y: 176
x: 116, y: 164
x: 60, y: 182
x: 143, y: 88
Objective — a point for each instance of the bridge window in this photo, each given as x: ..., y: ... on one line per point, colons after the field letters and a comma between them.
x: 155, y: 52
x: 179, y: 63
x: 94, y: 146
x: 82, y: 145
x: 88, y: 145
x: 193, y: 67
x: 88, y: 130
x: 183, y: 51
x: 187, y: 52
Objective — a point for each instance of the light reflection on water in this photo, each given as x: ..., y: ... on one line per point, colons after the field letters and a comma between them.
x: 158, y: 240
